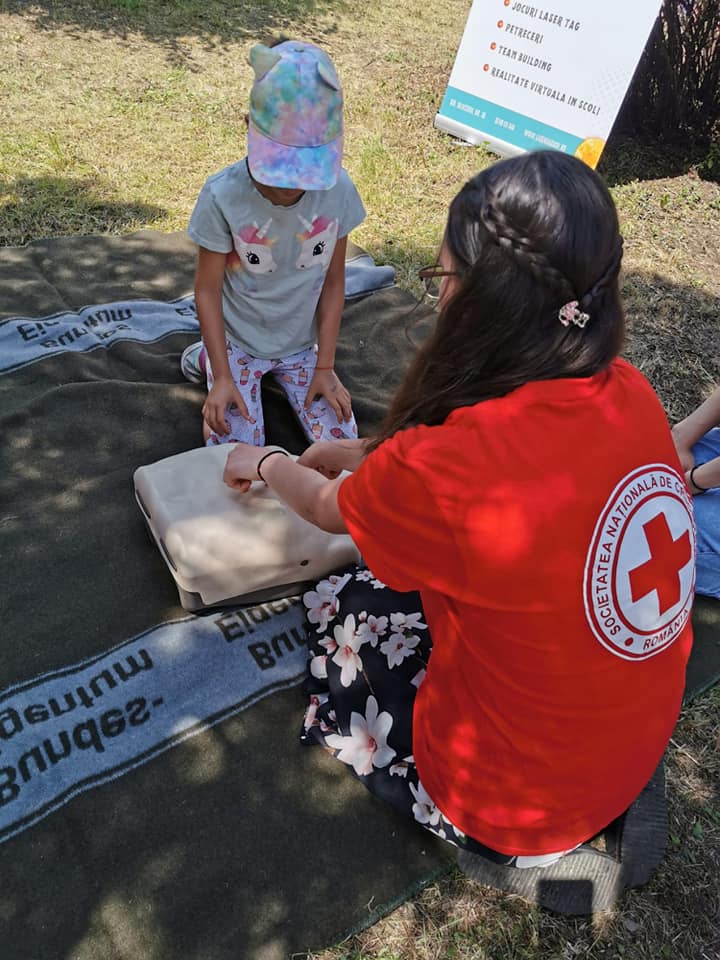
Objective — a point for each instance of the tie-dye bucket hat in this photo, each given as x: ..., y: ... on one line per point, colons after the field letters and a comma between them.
x: 295, y: 129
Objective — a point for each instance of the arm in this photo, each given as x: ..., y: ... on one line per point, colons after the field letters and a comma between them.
x: 331, y: 457
x: 329, y: 314
x: 208, y: 301
x: 707, y: 475
x: 688, y: 431
x: 303, y: 489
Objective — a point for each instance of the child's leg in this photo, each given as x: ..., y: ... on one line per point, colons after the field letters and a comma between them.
x: 319, y: 421
x: 247, y: 372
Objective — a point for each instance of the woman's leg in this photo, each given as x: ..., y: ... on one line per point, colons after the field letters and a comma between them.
x: 369, y: 648
x: 707, y: 520
x: 319, y: 421
x: 247, y: 372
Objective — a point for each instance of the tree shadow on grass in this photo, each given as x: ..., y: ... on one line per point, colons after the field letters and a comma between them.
x: 626, y: 159
x: 672, y: 338
x: 59, y: 206
x: 167, y: 21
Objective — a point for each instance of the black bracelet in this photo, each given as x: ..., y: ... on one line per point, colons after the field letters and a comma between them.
x: 264, y: 458
x: 697, y: 485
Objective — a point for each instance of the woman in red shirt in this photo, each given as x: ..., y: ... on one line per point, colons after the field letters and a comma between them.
x: 523, y: 505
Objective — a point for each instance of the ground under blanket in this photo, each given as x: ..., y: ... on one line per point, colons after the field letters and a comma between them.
x: 154, y: 800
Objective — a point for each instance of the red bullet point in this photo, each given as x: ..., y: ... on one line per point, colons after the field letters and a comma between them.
x: 493, y: 46
x: 507, y: 3
x: 500, y: 24
x: 486, y: 67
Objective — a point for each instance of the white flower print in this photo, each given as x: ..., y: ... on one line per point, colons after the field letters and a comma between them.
x: 401, y: 622
x: 364, y: 576
x: 378, y: 584
x: 338, y: 582
x: 329, y: 644
x: 398, y: 647
x: 346, y: 656
x: 370, y: 628
x: 418, y: 678
x: 322, y: 602
x: 424, y: 809
x: 400, y: 769
x: 366, y: 747
x: 318, y: 667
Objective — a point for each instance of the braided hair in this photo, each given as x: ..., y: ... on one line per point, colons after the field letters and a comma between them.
x: 526, y: 236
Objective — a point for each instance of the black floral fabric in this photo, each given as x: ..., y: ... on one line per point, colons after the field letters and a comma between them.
x: 369, y: 648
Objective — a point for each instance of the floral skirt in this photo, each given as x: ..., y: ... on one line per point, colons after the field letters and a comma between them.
x: 369, y: 648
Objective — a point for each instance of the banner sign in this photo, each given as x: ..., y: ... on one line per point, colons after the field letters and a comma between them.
x: 530, y: 77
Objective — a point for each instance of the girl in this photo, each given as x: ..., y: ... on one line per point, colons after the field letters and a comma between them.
x: 508, y: 667
x: 271, y: 233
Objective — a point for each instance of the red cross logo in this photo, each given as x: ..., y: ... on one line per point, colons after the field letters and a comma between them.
x: 661, y: 572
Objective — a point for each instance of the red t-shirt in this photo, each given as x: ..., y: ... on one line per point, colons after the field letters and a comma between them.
x: 551, y: 537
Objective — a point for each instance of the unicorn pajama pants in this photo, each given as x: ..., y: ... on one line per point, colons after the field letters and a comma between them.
x: 294, y: 373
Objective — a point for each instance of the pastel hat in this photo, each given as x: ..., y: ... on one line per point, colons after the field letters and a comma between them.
x: 295, y: 129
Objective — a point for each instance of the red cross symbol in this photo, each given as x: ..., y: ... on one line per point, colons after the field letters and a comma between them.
x: 662, y: 571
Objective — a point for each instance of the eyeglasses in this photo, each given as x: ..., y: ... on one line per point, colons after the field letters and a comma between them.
x: 431, y: 277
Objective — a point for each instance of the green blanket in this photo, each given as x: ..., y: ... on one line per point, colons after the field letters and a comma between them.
x: 154, y: 800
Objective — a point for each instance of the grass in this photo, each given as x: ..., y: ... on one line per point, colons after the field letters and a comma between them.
x: 115, y: 111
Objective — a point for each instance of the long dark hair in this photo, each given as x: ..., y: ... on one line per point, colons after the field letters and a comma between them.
x: 526, y: 236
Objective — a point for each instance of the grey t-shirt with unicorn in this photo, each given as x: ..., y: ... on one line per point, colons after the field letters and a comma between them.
x: 277, y: 257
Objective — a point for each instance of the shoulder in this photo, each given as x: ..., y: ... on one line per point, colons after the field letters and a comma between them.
x: 623, y: 370
x: 344, y: 186
x: 345, y: 180
x: 631, y: 383
x: 233, y: 178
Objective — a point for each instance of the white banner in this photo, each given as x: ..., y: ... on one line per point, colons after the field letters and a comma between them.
x: 530, y: 77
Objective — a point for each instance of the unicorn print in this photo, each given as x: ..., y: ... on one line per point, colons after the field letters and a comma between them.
x: 317, y: 242
x: 254, y: 249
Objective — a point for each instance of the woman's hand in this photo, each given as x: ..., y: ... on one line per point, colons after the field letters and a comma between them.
x: 223, y: 394
x: 241, y: 465
x: 327, y: 384
x: 331, y: 457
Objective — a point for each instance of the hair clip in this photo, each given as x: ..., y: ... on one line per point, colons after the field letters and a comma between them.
x: 571, y: 313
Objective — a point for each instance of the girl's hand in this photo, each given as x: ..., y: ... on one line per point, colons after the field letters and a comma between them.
x: 241, y: 465
x: 327, y: 384
x: 223, y: 394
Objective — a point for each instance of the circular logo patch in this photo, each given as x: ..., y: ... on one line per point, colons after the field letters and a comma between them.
x: 640, y: 570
